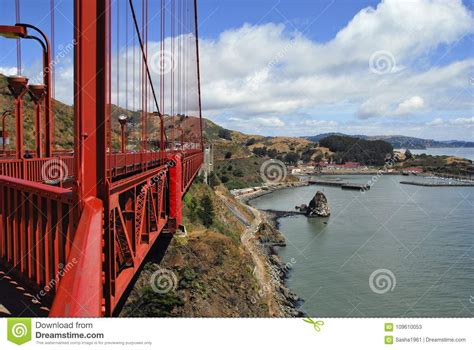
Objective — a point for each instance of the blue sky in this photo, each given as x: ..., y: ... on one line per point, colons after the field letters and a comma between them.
x: 300, y: 67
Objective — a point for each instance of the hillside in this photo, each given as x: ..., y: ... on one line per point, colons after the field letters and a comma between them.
x: 402, y: 142
x: 351, y: 149
x: 214, y: 269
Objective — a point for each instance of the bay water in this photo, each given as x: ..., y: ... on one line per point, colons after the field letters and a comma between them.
x: 393, y: 251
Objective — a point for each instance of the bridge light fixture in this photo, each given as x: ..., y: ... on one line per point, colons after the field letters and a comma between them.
x: 13, y: 32
x: 37, y: 91
x: 123, y: 121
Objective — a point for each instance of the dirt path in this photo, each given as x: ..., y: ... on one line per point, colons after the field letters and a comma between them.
x: 267, y: 289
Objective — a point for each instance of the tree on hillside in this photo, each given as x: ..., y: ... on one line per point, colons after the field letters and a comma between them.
x: 228, y: 155
x: 225, y: 134
x: 250, y: 142
x: 292, y: 158
x: 351, y: 149
x: 408, y: 154
x: 319, y: 157
x: 306, y: 156
x: 207, y: 211
x: 213, y: 180
x: 260, y: 151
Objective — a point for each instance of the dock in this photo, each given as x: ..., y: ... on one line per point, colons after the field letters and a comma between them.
x: 342, y: 184
x: 427, y: 184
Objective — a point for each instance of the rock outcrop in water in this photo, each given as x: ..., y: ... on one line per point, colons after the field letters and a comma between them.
x: 318, y: 206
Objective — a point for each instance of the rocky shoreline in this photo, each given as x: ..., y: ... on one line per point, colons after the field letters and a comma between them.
x: 268, y: 241
x: 269, y: 238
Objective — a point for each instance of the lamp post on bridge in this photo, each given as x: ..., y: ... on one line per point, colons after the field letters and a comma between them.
x: 123, y: 122
x: 20, y: 31
x: 162, y: 131
x: 37, y: 93
x: 18, y: 86
x: 179, y: 127
x: 4, y: 133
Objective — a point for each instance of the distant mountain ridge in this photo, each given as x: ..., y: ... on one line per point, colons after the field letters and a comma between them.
x: 399, y: 141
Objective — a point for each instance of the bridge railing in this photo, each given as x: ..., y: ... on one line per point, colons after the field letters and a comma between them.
x: 36, y: 230
x: 39, y: 169
x: 12, y: 167
x: 123, y: 163
x: 11, y: 154
x: 192, y: 162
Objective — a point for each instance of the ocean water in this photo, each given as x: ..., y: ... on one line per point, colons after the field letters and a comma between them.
x: 467, y: 153
x: 394, y: 251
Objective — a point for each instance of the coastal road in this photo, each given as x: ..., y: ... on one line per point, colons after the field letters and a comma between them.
x: 267, y: 288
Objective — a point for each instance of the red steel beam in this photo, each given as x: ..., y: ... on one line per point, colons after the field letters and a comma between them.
x: 91, y: 115
x: 80, y: 291
x: 90, y: 102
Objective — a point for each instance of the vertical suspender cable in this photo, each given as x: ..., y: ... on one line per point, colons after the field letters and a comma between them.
x: 126, y: 56
x: 186, y: 55
x: 52, y: 69
x: 134, y: 93
x: 117, y: 49
x: 143, y: 83
x: 144, y: 58
x: 146, y: 80
x: 53, y: 46
x: 172, y: 72
x: 109, y: 92
x: 179, y: 56
x: 196, y: 33
x: 162, y: 38
x: 18, y: 42
x: 162, y: 80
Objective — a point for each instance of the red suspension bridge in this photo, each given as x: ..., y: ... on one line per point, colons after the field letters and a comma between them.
x: 76, y: 225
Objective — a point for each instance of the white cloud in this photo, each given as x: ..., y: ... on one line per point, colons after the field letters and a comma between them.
x: 436, y: 122
x: 271, y: 122
x: 467, y: 122
x: 293, y: 73
x: 410, y: 105
x: 264, y: 78
x: 8, y: 70
x: 320, y: 123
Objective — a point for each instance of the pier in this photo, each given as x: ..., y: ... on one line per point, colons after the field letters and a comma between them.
x: 427, y: 184
x: 342, y: 184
